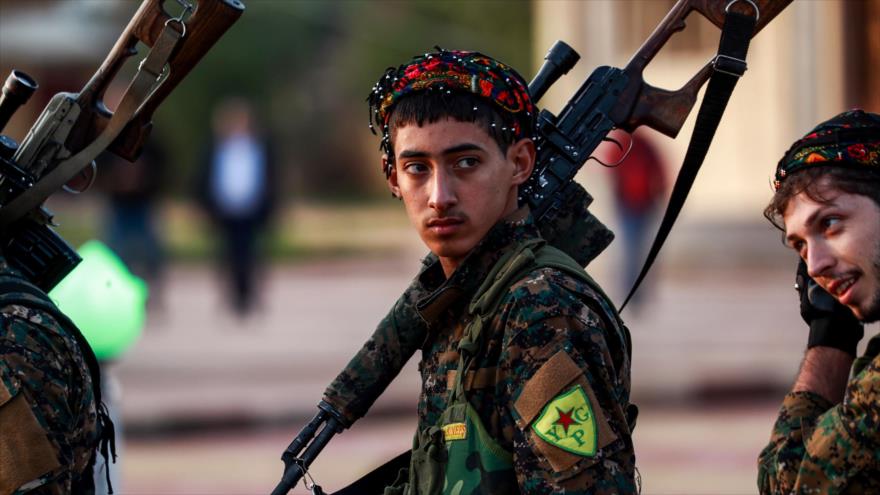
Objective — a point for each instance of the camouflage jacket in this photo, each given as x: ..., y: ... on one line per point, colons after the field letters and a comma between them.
x: 571, y: 228
x: 822, y: 448
x: 550, y: 334
x: 47, y: 406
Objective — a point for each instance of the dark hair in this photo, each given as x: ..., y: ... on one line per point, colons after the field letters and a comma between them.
x: 852, y: 180
x: 431, y: 106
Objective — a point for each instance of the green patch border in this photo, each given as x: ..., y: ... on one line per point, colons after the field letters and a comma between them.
x: 576, y: 388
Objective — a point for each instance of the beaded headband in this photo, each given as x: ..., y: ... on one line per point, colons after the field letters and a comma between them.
x: 449, y: 71
x: 851, y: 139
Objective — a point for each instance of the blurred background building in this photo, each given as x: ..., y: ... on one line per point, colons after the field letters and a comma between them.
x: 208, y: 408
x: 816, y: 59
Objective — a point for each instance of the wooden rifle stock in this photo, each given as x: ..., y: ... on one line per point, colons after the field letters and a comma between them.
x: 666, y: 110
x: 74, y: 128
x: 203, y: 28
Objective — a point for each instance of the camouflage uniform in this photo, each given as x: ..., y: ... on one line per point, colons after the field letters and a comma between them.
x: 572, y: 228
x: 822, y: 448
x: 550, y: 333
x: 47, y: 404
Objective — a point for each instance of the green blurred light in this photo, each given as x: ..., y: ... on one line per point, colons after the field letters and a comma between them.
x: 104, y: 299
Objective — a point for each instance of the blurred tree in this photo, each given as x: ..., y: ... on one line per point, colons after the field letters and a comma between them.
x: 308, y: 66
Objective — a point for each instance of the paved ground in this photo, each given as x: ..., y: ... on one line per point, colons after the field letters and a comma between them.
x: 693, y: 450
x: 211, y: 401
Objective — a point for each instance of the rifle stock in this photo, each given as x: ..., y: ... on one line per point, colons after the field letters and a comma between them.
x: 204, y: 27
x: 75, y: 127
x: 666, y: 110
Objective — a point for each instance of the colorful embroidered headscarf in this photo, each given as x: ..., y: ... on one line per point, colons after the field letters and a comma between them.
x: 453, y: 71
x: 851, y: 139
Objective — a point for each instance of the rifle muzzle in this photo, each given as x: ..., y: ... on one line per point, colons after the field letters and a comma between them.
x: 17, y: 90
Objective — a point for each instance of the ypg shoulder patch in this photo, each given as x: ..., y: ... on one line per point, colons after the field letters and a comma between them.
x: 568, y: 422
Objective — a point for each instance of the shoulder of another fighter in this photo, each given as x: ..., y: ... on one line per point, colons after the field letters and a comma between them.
x: 39, y: 350
x: 46, y: 388
x: 36, y: 329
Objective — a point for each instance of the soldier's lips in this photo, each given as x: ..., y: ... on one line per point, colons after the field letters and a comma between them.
x: 445, y: 226
x: 842, y: 288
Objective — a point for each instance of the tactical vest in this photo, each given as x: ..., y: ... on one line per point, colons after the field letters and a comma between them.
x: 458, y: 455
x: 14, y: 291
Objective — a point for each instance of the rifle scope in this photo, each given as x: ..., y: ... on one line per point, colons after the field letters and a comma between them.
x: 17, y: 90
x: 558, y: 61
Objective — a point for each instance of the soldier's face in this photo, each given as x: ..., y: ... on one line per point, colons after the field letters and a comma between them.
x: 456, y: 183
x: 840, y: 241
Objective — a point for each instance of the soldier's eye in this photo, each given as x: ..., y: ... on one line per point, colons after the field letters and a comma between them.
x: 830, y: 221
x: 415, y: 168
x: 467, y: 162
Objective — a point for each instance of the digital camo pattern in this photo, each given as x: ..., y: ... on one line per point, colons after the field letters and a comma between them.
x: 820, y: 448
x: 42, y: 361
x: 379, y: 361
x: 572, y: 229
x: 541, y: 315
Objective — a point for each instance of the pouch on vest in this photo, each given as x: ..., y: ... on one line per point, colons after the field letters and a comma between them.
x: 459, y: 457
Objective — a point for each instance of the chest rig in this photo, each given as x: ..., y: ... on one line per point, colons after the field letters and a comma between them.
x: 458, y: 455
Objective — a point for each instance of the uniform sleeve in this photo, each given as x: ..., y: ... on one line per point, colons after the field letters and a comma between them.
x: 46, y: 410
x: 817, y: 447
x: 568, y: 423
x: 381, y: 358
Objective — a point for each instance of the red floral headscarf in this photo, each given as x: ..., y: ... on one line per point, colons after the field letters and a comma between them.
x: 851, y: 139
x: 448, y: 71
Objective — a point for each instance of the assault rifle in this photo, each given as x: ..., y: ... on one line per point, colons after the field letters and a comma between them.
x: 74, y: 128
x: 610, y: 98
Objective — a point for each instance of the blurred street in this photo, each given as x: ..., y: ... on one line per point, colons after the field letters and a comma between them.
x: 210, y: 402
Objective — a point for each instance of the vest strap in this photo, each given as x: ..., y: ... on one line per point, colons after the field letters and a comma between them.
x: 474, y: 379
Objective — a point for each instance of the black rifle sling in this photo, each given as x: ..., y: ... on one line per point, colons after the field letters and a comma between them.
x: 14, y: 291
x: 729, y: 65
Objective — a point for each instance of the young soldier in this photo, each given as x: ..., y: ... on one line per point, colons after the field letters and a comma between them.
x: 525, y: 366
x: 827, y: 437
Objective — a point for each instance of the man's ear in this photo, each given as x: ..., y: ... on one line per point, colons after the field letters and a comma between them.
x: 522, y: 154
x: 391, y: 180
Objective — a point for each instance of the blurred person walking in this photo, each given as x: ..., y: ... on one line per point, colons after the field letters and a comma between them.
x: 639, y: 188
x: 133, y: 190
x: 236, y: 189
x: 827, y: 202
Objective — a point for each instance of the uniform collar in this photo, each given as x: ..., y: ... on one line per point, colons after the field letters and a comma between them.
x: 461, y: 285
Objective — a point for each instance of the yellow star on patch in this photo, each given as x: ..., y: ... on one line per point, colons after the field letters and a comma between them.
x: 567, y: 422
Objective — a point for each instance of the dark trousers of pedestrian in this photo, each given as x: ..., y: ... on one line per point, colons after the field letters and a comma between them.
x: 240, y: 257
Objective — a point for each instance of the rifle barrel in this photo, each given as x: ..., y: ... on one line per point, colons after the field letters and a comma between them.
x: 17, y: 90
x: 295, y: 467
x: 559, y: 60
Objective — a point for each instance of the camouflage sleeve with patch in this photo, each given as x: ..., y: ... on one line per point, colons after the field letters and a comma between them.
x: 47, y: 409
x: 566, y: 390
x: 817, y: 447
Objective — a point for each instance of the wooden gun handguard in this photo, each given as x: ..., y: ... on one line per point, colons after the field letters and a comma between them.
x: 204, y: 27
